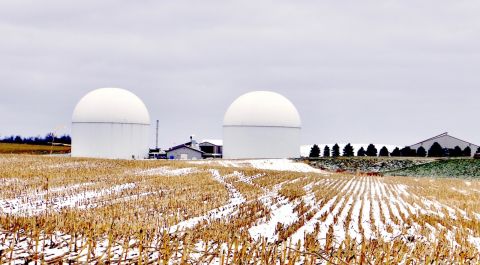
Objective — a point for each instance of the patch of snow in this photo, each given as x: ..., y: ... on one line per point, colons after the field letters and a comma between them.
x: 267, y: 164
x: 166, y: 171
x: 354, y: 229
x: 283, y: 165
x: 339, y: 227
x: 366, y: 223
x: 282, y: 215
x: 310, y: 225
x: 474, y: 241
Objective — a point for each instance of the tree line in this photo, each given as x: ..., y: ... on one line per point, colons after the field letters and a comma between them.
x: 37, y: 140
x: 436, y: 150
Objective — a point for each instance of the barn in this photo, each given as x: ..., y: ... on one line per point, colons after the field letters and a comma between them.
x: 446, y: 141
x: 184, y: 152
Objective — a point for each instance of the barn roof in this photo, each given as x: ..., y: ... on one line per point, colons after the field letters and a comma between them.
x: 213, y: 141
x: 183, y: 146
x: 443, y: 135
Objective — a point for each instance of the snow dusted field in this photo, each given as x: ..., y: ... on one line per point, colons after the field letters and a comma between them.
x: 228, y: 211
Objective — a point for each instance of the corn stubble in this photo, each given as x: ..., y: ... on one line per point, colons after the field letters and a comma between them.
x: 340, y: 218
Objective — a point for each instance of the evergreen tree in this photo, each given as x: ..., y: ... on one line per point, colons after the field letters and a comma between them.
x: 396, y: 152
x: 18, y: 139
x: 315, y: 151
x: 408, y: 152
x: 421, y: 152
x: 384, y: 151
x: 478, y: 150
x: 326, y: 151
x: 348, y: 150
x: 361, y: 152
x: 413, y: 152
x: 336, y: 150
x: 436, y: 150
x: 456, y: 152
x: 50, y: 137
x: 371, y: 150
x: 467, y: 151
x: 64, y: 139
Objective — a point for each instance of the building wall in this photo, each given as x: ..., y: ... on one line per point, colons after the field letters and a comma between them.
x: 211, y: 149
x: 190, y: 154
x: 110, y: 140
x: 446, y: 141
x: 260, y: 142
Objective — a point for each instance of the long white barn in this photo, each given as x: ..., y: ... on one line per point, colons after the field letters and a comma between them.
x: 446, y: 141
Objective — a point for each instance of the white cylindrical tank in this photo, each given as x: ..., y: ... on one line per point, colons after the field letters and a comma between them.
x: 261, y: 124
x: 110, y: 123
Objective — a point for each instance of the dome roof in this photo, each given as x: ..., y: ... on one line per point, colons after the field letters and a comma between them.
x: 262, y: 108
x: 113, y: 105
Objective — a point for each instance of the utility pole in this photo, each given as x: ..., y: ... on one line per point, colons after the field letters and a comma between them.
x: 54, y: 132
x: 53, y: 142
x: 156, y: 138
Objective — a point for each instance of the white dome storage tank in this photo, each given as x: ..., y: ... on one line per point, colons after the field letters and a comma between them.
x: 261, y: 124
x: 110, y: 123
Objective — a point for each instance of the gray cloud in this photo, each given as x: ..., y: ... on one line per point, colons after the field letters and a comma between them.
x: 371, y: 71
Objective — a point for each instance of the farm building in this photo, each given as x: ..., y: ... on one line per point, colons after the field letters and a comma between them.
x: 211, y: 148
x: 446, y: 141
x: 110, y: 123
x: 184, y: 152
x: 261, y: 124
x: 187, y: 151
x: 193, y: 150
x: 157, y: 153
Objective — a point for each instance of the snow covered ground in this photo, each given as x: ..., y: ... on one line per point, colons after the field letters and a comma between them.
x: 330, y: 208
x: 166, y: 171
x: 269, y: 164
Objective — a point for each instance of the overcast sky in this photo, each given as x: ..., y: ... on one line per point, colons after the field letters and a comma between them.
x: 393, y: 72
